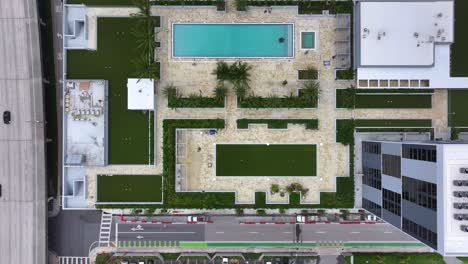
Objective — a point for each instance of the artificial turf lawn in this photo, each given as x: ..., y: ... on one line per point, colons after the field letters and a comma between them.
x: 384, y: 101
x: 112, y: 61
x: 391, y: 258
x: 266, y: 160
x: 458, y: 109
x: 459, y: 48
x: 129, y: 188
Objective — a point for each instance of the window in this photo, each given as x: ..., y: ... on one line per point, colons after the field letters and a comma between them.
x: 420, y: 232
x: 391, y: 165
x: 419, y: 192
x: 391, y: 201
x: 372, y: 177
x: 420, y: 152
x: 371, y: 207
x: 371, y: 147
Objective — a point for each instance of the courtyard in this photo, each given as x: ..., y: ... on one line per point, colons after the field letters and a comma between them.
x: 190, y: 140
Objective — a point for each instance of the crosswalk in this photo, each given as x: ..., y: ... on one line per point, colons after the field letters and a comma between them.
x: 73, y: 260
x: 148, y: 243
x: 105, y: 231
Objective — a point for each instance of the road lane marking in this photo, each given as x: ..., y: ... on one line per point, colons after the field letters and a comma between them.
x: 355, y: 232
x: 388, y: 232
x: 220, y: 232
x: 287, y: 232
x: 320, y: 232
x: 148, y: 232
x: 253, y: 232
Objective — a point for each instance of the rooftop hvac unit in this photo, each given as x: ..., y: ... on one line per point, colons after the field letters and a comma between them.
x: 460, y: 194
x: 460, y: 217
x: 460, y: 205
x: 460, y: 183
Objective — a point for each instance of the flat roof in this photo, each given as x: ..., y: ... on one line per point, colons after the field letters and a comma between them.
x: 403, y: 33
x: 140, y: 94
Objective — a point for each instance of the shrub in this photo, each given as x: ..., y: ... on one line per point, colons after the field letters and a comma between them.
x: 274, y: 188
x: 261, y: 212
x: 297, y: 187
x: 346, y: 74
x: 241, y: 5
x: 220, y: 92
x: 239, y: 211
x: 310, y: 73
x: 454, y: 133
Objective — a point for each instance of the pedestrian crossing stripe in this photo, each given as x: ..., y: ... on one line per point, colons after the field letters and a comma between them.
x: 145, y: 243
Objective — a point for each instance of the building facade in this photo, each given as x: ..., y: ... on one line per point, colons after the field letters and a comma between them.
x: 420, y: 188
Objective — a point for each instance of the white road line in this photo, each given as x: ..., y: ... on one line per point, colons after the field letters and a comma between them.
x: 253, y: 232
x: 320, y: 232
x: 355, y: 232
x: 287, y: 232
x: 220, y: 232
x: 157, y: 232
x: 388, y: 232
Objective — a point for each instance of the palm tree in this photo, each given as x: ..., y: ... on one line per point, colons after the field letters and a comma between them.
x: 241, y: 90
x: 222, y: 71
x: 240, y: 74
x: 310, y: 91
x: 220, y: 92
x: 170, y: 91
x: 144, y: 7
x: 145, y: 68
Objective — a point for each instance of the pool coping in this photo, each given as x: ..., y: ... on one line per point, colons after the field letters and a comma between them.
x: 232, y: 58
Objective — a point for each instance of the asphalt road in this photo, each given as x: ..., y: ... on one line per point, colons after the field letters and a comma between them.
x: 22, y: 154
x: 72, y: 232
x: 225, y: 229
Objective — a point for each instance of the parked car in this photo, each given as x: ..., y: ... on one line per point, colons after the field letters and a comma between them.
x: 464, y: 170
x: 6, y: 117
x: 150, y: 261
x: 371, y: 217
x: 464, y: 228
x: 225, y: 260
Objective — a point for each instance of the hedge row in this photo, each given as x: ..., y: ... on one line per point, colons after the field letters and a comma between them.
x: 278, y: 123
x: 309, y: 7
x: 300, y: 101
x: 195, y: 102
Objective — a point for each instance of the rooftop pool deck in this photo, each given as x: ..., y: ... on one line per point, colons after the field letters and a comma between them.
x: 233, y: 40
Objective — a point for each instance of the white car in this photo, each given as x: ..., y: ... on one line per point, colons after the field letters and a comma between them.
x: 371, y: 217
x: 192, y: 219
x: 225, y: 261
x: 300, y: 219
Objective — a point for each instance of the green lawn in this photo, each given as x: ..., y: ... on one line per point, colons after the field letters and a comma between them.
x: 459, y: 49
x: 464, y: 259
x: 129, y: 188
x: 383, y: 101
x: 458, y: 108
x: 266, y: 160
x: 128, y: 130
x: 398, y: 258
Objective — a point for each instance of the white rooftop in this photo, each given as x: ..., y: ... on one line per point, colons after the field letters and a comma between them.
x: 455, y: 241
x: 140, y: 94
x: 403, y: 33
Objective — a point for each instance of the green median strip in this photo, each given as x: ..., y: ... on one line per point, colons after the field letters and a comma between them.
x: 246, y: 244
x: 383, y: 244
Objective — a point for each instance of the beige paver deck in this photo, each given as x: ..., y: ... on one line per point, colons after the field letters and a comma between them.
x: 194, y: 76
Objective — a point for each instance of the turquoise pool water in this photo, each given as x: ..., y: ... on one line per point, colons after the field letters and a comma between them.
x: 232, y: 40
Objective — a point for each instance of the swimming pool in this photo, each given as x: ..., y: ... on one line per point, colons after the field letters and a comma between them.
x: 238, y: 40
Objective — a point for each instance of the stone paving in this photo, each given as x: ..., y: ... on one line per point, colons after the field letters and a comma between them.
x: 194, y: 76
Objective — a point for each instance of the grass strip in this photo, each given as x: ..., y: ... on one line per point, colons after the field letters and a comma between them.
x: 277, y: 123
x: 347, y: 98
x: 195, y: 102
x: 129, y: 188
x: 413, y: 258
x: 266, y: 160
x: 457, y: 107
